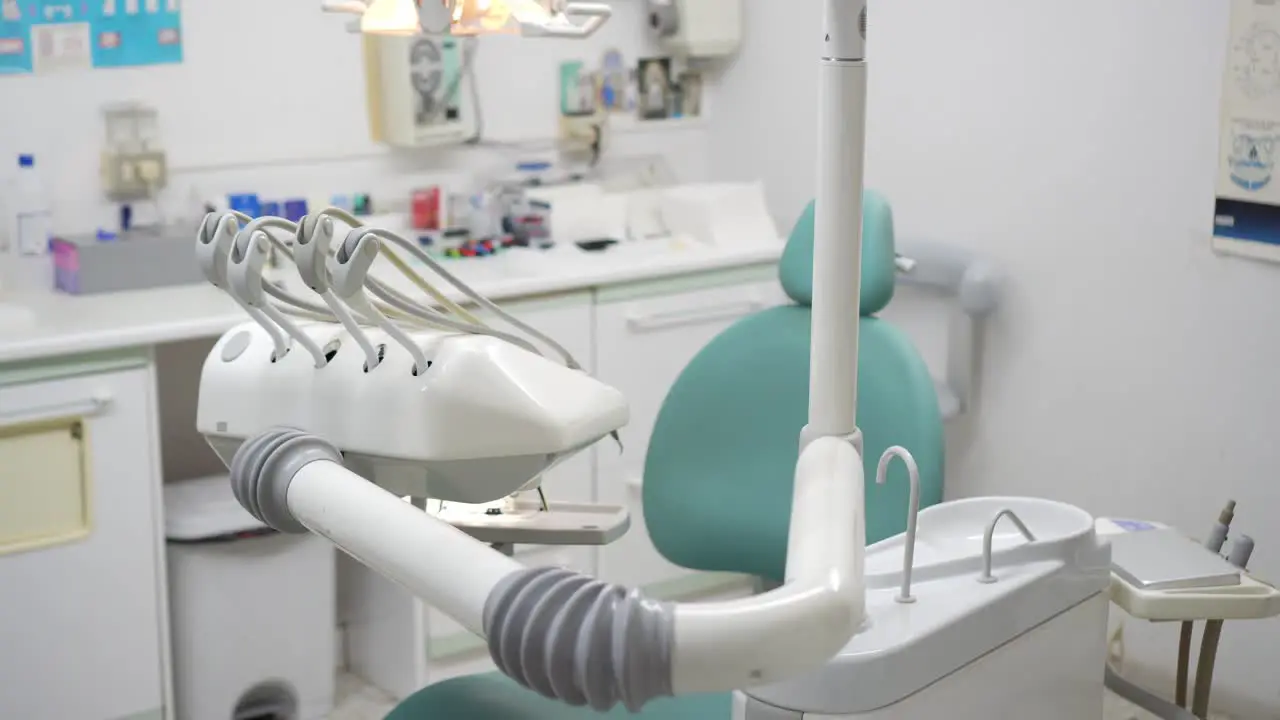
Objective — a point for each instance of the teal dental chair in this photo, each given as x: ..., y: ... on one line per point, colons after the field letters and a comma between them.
x: 718, y: 475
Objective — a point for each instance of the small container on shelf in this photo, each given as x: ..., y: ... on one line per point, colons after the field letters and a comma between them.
x: 425, y: 207
x: 295, y: 209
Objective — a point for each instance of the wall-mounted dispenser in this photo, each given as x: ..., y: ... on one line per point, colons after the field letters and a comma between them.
x: 697, y: 28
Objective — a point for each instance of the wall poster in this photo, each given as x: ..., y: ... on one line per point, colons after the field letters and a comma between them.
x: 42, y: 36
x: 1247, y: 205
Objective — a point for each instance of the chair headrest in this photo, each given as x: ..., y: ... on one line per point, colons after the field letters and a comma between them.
x: 878, y: 267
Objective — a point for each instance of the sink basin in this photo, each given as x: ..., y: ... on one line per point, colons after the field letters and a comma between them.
x: 949, y: 538
x: 959, y: 619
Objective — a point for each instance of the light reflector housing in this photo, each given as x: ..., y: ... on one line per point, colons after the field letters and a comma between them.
x: 536, y: 18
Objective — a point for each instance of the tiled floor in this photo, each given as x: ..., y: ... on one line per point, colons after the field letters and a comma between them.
x: 360, y: 701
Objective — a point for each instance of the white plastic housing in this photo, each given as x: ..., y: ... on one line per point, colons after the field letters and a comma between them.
x: 482, y: 422
x: 698, y: 28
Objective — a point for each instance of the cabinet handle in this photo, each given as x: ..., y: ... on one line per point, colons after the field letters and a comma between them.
x: 676, y: 318
x: 634, y: 482
x: 87, y: 407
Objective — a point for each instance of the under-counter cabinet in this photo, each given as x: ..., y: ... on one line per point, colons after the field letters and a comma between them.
x: 82, y: 609
x: 645, y: 335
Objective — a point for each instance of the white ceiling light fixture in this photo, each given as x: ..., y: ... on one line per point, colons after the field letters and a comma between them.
x: 531, y: 18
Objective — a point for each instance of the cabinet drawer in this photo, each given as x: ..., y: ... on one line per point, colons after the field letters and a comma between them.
x: 643, y: 345
x: 88, y: 615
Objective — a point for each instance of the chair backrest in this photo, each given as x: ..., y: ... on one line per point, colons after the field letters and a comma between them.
x: 718, y: 474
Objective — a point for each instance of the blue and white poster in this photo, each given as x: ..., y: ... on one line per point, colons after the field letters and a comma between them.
x: 1246, y: 218
x: 41, y: 36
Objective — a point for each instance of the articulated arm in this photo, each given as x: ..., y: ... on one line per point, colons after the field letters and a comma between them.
x: 566, y: 635
x: 587, y: 642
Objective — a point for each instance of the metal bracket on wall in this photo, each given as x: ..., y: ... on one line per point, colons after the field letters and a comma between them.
x: 975, y: 285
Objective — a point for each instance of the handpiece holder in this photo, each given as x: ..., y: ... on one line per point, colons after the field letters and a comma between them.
x: 312, y: 255
x: 248, y: 262
x: 351, y: 264
x: 214, y: 242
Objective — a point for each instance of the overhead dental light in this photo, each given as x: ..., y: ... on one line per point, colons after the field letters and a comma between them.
x: 390, y: 17
x: 533, y: 18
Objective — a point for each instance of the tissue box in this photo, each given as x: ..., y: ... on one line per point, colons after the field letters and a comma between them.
x: 133, y: 260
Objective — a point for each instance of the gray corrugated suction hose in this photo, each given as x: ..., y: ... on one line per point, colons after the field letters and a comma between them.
x: 573, y: 638
x: 265, y: 464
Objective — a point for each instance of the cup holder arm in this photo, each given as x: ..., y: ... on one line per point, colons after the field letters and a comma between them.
x: 989, y: 537
x: 913, y: 512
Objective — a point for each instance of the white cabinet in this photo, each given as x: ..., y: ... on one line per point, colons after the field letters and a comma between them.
x: 644, y: 338
x: 81, y: 609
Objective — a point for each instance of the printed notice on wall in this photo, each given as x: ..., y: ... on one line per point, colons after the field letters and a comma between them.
x: 45, y: 36
x: 1247, y: 208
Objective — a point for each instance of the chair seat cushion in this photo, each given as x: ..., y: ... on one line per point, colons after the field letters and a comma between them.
x: 494, y: 696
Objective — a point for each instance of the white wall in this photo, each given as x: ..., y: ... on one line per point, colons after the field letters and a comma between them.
x: 1131, y: 370
x: 270, y: 99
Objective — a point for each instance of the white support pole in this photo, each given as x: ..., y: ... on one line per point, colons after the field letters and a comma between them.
x: 837, y: 230
x: 444, y: 566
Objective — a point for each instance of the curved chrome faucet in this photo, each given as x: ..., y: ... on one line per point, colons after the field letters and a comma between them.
x: 913, y: 510
x: 987, y: 577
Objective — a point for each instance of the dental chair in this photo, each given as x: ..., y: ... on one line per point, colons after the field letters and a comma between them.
x: 718, y: 474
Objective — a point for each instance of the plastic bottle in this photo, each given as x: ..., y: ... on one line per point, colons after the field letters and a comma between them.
x: 32, y: 219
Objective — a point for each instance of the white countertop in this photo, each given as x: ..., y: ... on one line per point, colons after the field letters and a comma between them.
x: 43, y: 324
